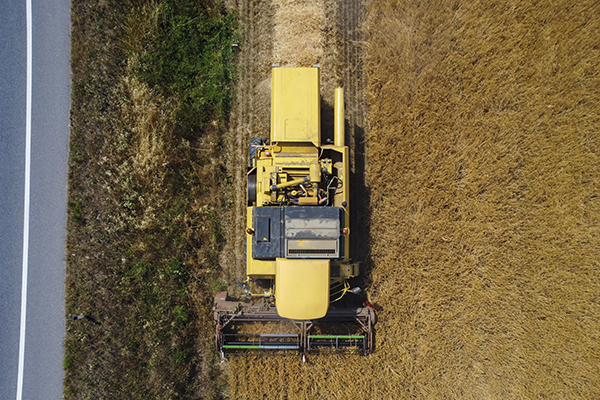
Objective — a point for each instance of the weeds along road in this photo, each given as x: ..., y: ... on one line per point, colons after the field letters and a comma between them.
x: 32, y: 222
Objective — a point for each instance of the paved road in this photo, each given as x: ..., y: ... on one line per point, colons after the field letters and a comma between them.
x: 45, y: 323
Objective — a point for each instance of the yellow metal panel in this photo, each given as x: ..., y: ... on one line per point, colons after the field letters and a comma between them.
x: 308, y: 201
x: 295, y: 154
x: 295, y: 105
x: 302, y: 288
x: 261, y: 269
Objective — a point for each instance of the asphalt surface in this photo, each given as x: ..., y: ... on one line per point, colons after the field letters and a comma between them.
x: 45, y: 324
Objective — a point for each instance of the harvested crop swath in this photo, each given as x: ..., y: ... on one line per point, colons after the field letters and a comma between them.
x: 299, y: 38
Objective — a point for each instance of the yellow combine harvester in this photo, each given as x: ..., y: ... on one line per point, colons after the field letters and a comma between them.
x: 297, y: 236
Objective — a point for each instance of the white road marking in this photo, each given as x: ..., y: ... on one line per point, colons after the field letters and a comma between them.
x: 26, y: 204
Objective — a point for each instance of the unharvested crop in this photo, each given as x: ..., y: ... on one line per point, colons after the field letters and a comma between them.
x: 484, y: 176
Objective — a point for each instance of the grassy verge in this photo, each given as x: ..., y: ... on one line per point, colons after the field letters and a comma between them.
x: 150, y: 99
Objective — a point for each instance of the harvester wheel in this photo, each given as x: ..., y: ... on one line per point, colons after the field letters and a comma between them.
x: 251, y: 189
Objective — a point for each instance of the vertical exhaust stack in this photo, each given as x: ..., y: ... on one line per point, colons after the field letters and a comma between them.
x: 339, y: 124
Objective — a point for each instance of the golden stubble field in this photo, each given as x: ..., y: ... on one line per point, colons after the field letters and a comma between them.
x: 478, y: 196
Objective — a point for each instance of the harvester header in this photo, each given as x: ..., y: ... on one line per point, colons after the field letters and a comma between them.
x: 298, y: 263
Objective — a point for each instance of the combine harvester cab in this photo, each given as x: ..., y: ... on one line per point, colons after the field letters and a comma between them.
x: 297, y: 236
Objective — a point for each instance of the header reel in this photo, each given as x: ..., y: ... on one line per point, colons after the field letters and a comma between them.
x: 352, y: 330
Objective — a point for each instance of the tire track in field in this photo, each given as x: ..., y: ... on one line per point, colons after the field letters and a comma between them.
x: 242, y: 132
x: 248, y: 120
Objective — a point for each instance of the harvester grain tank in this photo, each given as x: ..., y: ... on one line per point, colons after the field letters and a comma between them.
x: 298, y: 234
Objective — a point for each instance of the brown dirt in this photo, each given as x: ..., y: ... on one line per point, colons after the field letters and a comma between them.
x: 475, y: 197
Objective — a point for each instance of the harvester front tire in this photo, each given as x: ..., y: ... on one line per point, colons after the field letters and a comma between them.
x: 251, y: 189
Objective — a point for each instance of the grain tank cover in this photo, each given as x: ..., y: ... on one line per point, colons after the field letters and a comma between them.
x: 302, y: 288
x: 295, y: 105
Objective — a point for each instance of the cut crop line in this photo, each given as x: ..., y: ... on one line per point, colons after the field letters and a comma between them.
x: 26, y: 204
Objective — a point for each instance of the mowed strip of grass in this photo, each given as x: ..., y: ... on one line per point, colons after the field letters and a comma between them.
x: 484, y: 171
x: 151, y: 94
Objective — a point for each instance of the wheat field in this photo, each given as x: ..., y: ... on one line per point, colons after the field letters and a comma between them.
x: 483, y: 166
x: 482, y: 173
